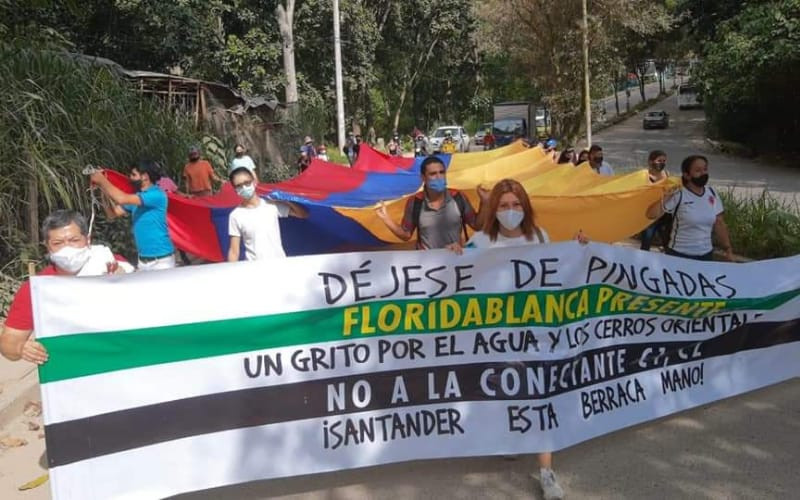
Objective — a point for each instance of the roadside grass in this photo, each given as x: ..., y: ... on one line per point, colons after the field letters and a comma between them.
x: 763, y: 226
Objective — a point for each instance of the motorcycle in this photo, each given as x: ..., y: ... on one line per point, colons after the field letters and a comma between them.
x: 420, y: 147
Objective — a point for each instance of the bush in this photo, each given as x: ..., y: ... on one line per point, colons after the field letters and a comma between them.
x: 749, y: 77
x: 762, y: 227
x: 58, y: 115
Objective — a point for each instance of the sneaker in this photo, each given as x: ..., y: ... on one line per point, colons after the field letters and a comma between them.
x: 550, y: 486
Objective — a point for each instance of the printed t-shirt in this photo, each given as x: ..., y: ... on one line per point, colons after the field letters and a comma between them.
x: 198, y: 175
x: 259, y: 229
x: 693, y: 220
x: 150, y: 224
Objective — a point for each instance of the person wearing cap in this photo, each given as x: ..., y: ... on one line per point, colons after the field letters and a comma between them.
x: 254, y: 222
x: 440, y: 216
x: 241, y: 159
x: 550, y: 148
x: 308, y: 147
x: 449, y: 145
x: 198, y: 174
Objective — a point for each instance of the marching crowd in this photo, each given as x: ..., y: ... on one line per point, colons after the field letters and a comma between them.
x: 438, y: 216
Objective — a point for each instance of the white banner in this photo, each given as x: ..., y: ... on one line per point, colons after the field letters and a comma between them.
x: 198, y: 377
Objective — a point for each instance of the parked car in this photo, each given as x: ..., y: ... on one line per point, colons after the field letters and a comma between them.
x: 479, y: 135
x: 459, y: 135
x: 655, y: 119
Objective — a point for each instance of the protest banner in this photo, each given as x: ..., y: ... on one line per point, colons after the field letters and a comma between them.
x: 167, y: 382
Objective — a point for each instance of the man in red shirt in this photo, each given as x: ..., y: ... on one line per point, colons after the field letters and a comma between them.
x: 66, y: 236
x: 198, y: 174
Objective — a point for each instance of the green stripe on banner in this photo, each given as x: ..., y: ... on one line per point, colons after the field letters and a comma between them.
x: 83, y: 354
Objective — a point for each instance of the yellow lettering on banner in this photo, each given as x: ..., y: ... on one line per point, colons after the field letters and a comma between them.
x: 707, y: 308
x: 383, y: 323
x: 494, y: 310
x: 366, y: 328
x: 511, y: 319
x: 432, y: 315
x: 668, y: 306
x: 350, y: 320
x: 636, y: 303
x: 450, y: 312
x: 652, y: 305
x: 718, y: 306
x: 602, y: 297
x: 413, y: 317
x: 583, y: 305
x: 531, y: 310
x: 554, y: 307
x: 686, y: 308
x: 569, y: 311
x: 618, y: 302
x: 472, y: 316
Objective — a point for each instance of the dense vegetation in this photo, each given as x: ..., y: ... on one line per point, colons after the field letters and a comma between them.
x: 751, y: 70
x: 406, y: 63
x: 59, y: 116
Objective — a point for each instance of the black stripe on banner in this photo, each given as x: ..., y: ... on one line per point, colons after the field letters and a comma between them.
x: 76, y: 440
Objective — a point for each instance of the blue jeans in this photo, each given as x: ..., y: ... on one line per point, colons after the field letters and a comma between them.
x: 648, y: 234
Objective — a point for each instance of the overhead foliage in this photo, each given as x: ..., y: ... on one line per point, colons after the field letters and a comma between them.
x: 760, y: 45
x: 58, y: 116
x: 543, y: 40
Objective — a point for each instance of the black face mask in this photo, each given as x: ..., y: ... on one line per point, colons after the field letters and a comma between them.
x: 598, y: 160
x: 700, y: 181
x: 659, y: 166
x: 137, y: 185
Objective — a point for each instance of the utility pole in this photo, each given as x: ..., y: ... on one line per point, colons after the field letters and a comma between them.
x: 587, y: 96
x: 337, y: 56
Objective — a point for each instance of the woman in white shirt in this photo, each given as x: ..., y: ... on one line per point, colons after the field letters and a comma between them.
x: 511, y: 219
x: 511, y: 222
x: 697, y: 214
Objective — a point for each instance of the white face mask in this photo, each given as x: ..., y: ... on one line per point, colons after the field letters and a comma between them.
x: 510, y: 219
x: 246, y: 192
x: 71, y: 259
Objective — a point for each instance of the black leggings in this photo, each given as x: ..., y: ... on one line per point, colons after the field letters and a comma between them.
x: 708, y: 256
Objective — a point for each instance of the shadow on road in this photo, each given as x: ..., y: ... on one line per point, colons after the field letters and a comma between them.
x: 743, y: 447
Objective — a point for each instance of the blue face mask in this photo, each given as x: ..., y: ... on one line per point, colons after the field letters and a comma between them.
x: 437, y: 185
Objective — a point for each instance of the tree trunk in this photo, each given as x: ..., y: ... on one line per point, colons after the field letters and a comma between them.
x: 616, y: 93
x: 641, y: 86
x: 285, y: 16
x: 396, y: 119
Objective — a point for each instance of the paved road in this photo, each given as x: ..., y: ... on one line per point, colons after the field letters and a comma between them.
x: 626, y: 146
x: 744, y: 447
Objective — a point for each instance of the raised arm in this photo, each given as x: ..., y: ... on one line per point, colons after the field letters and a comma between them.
x: 393, y: 226
x: 296, y: 210
x: 117, y: 195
